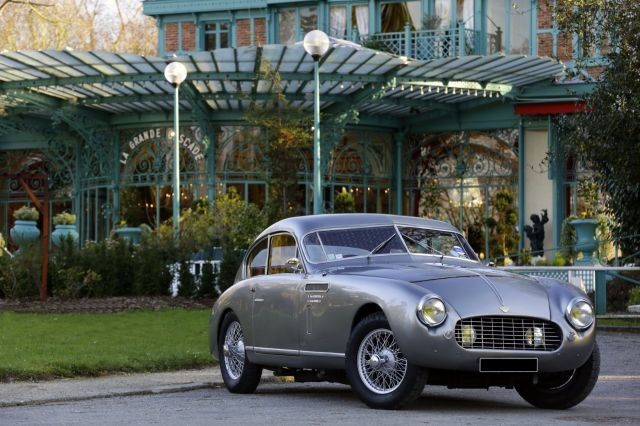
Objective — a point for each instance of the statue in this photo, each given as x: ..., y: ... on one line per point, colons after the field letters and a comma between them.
x: 536, y: 233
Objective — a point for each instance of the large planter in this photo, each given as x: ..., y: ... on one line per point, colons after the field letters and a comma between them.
x: 586, y: 242
x: 64, y: 231
x: 25, y: 232
x: 129, y: 234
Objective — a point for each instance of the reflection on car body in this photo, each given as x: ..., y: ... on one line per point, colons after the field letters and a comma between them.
x: 391, y: 303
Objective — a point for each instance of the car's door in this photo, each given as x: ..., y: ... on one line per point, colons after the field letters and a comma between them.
x: 276, y: 300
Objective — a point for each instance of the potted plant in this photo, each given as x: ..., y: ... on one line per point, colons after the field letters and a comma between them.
x: 129, y: 233
x: 586, y: 225
x: 65, y: 227
x: 25, y: 230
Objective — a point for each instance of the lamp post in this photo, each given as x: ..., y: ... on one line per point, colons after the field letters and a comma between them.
x: 316, y: 44
x: 176, y: 73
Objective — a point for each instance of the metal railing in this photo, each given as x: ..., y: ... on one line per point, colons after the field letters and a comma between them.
x: 436, y: 43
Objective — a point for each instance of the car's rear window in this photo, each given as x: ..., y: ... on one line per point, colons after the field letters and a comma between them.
x: 336, y: 244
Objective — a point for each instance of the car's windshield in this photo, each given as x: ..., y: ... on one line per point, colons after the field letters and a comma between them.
x: 435, y: 242
x: 337, y: 244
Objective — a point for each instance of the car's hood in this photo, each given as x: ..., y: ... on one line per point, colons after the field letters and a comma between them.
x: 472, y: 291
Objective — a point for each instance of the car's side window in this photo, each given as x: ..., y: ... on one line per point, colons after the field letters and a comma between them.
x: 283, y: 248
x: 257, y: 259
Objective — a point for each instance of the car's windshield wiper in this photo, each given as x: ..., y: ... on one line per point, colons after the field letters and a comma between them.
x: 427, y: 247
x: 381, y: 245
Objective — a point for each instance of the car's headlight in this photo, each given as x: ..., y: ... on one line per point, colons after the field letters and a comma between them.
x: 580, y: 314
x: 431, y: 311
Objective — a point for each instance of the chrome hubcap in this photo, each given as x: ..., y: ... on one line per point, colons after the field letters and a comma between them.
x: 233, y: 350
x: 381, y: 365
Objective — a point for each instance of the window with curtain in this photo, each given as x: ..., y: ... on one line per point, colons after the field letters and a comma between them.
x: 394, y: 16
x: 343, y: 19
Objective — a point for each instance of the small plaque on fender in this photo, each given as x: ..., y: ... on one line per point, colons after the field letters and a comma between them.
x: 508, y: 365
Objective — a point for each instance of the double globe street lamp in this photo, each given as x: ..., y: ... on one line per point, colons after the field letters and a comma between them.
x: 316, y: 44
x: 176, y: 73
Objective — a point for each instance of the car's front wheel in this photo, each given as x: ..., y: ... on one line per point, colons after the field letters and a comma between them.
x: 238, y: 373
x: 379, y: 373
x: 563, y: 389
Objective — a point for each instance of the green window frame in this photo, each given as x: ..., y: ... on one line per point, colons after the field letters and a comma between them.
x: 216, y: 35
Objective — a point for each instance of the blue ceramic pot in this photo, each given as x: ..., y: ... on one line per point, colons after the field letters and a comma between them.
x: 25, y: 232
x: 64, y: 231
x: 130, y: 234
x: 586, y: 242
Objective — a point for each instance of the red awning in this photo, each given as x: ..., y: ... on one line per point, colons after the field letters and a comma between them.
x: 550, y: 108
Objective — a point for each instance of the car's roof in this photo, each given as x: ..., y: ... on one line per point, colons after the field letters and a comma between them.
x: 302, y: 225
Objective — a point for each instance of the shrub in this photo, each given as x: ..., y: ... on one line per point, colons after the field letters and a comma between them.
x: 229, y: 265
x: 344, y: 202
x: 634, y: 296
x: 20, y: 275
x: 26, y: 213
x: 153, y: 256
x: 187, y: 286
x: 207, y: 287
x: 618, y: 292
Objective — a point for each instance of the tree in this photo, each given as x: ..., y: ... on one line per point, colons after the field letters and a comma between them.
x: 286, y: 134
x: 606, y: 136
x: 112, y: 25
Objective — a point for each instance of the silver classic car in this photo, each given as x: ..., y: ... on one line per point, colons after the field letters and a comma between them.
x: 389, y: 304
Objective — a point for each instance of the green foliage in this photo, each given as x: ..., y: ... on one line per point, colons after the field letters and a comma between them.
x: 558, y: 260
x: 187, y: 287
x: 525, y: 257
x: 26, y: 213
x: 634, y: 296
x: 64, y: 218
x: 568, y: 239
x: 618, y: 293
x: 237, y: 223
x: 20, y: 276
x: 44, y: 346
x: 503, y: 237
x: 207, y: 287
x: 605, y: 135
x: 229, y: 265
x: 344, y: 202
x: 154, y: 255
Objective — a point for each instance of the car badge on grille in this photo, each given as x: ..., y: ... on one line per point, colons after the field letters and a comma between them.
x: 504, y: 309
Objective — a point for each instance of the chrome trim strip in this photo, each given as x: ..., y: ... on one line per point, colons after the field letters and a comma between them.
x: 273, y: 351
x: 292, y: 352
x: 326, y: 354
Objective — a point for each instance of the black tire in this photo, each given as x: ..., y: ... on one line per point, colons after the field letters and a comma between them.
x: 564, y: 389
x: 238, y: 373
x: 406, y: 381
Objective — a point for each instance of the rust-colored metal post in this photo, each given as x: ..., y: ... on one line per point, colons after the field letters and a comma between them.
x: 43, y: 208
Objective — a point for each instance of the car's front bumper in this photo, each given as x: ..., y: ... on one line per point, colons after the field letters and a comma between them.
x: 437, y: 348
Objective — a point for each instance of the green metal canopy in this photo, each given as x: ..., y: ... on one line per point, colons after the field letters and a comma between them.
x: 377, y: 84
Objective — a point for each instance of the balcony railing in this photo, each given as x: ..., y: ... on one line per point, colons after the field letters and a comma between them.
x: 439, y: 43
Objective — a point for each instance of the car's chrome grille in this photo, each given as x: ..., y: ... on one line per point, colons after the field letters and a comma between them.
x: 508, y: 333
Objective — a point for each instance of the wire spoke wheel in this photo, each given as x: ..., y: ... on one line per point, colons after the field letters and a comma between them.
x: 381, y: 365
x: 233, y: 350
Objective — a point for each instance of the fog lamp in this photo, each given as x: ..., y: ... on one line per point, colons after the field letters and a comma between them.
x: 467, y: 336
x: 534, y: 337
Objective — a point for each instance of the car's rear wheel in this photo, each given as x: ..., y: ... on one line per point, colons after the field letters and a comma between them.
x: 238, y: 373
x: 564, y: 389
x: 379, y: 373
